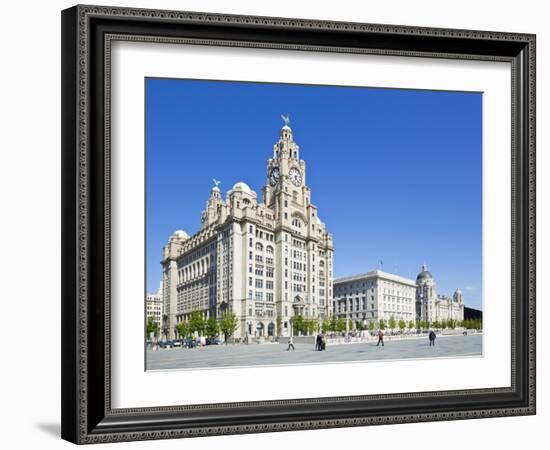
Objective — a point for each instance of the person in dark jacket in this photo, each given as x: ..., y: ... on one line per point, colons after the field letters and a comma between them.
x: 431, y: 336
x: 318, y: 343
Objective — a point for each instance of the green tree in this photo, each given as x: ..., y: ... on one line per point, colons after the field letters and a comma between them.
x: 411, y: 324
x: 478, y: 324
x: 326, y: 326
x: 314, y: 326
x: 212, y: 327
x: 371, y: 325
x: 228, y: 324
x: 334, y: 323
x: 182, y: 328
x: 402, y: 324
x: 279, y: 322
x: 392, y: 323
x: 341, y: 325
x: 436, y: 324
x: 382, y: 324
x: 298, y: 324
x: 197, y: 323
x: 152, y: 327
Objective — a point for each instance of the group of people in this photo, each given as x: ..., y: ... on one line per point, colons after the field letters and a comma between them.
x: 380, y: 336
x: 320, y: 343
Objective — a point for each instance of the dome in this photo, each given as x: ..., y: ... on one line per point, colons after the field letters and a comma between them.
x: 424, y: 275
x: 458, y: 291
x: 180, y: 234
x: 240, y: 186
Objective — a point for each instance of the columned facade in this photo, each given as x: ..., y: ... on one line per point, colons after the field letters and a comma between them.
x: 264, y: 260
x: 374, y: 295
x: 432, y: 307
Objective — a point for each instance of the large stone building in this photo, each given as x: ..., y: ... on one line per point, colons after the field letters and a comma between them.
x: 433, y: 307
x: 154, y: 306
x: 264, y: 260
x: 374, y: 295
x: 379, y: 295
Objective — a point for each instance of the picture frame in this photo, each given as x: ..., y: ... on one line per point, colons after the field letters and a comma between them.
x: 87, y: 412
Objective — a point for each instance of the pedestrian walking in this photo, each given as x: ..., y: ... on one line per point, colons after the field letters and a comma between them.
x: 431, y: 336
x: 318, y: 343
x: 380, y: 335
x: 290, y: 344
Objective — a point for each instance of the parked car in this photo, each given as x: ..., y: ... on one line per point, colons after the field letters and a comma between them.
x: 177, y: 343
x: 213, y: 341
x: 166, y: 344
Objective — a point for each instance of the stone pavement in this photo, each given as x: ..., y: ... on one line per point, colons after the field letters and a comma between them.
x: 242, y: 355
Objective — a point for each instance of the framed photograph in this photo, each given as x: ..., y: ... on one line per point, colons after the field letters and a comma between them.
x: 280, y: 224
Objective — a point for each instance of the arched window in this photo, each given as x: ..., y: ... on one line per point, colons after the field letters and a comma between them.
x: 269, y: 250
x: 259, y: 247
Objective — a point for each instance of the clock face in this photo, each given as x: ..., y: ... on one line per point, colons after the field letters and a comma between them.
x: 295, y: 176
x: 274, y: 176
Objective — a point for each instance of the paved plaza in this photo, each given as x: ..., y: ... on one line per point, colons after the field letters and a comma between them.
x: 240, y: 355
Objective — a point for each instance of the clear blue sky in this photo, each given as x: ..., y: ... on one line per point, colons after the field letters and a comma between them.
x: 396, y: 174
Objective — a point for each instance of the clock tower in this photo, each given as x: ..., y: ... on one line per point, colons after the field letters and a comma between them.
x: 268, y: 261
x: 304, y: 247
x: 286, y: 177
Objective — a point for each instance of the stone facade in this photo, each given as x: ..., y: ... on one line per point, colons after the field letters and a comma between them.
x: 154, y: 306
x: 374, y: 295
x: 433, y: 307
x: 379, y: 295
x: 264, y: 260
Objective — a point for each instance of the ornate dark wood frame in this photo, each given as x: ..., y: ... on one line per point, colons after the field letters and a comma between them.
x: 87, y: 32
